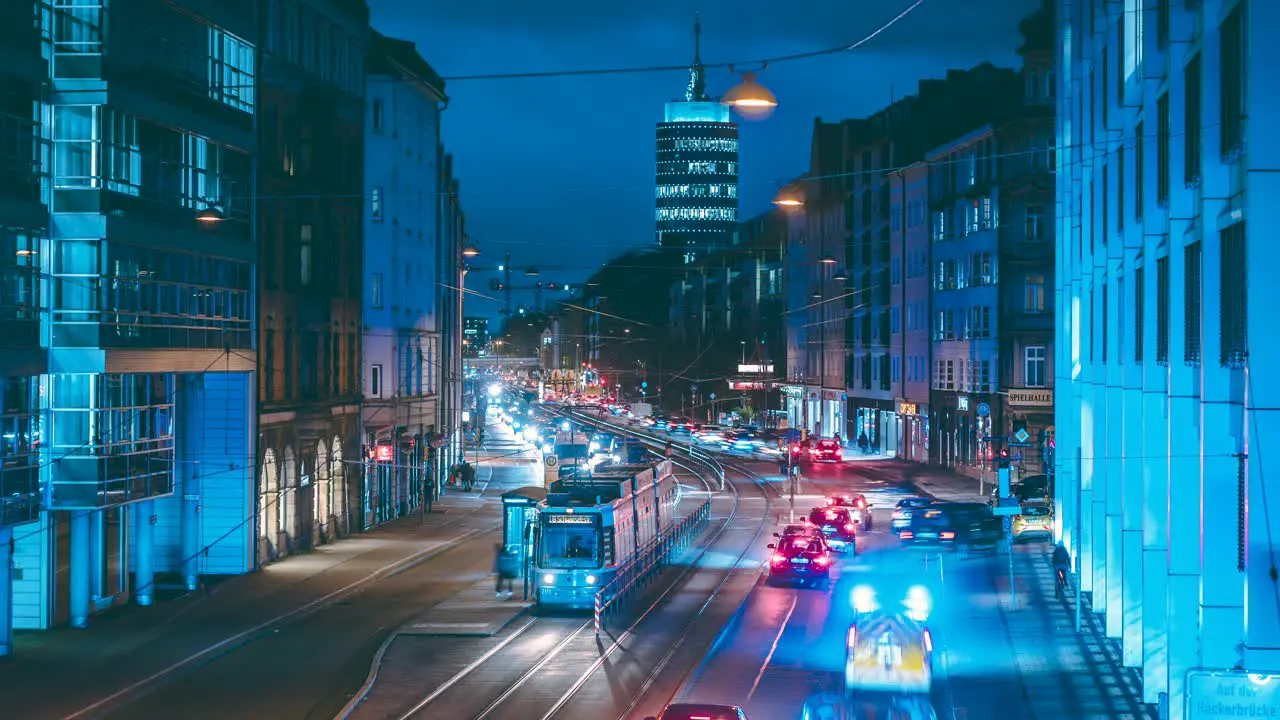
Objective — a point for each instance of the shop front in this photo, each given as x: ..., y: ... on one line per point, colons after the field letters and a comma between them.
x: 912, y: 432
x: 793, y: 404
x: 876, y: 423
x: 833, y: 414
x: 963, y: 425
x: 1029, y: 413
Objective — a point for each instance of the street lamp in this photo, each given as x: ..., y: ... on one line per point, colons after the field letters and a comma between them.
x: 840, y: 276
x: 750, y: 98
x: 470, y: 251
x: 788, y: 198
x: 828, y: 260
x: 211, y: 215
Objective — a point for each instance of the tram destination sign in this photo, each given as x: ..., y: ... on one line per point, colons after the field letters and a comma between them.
x: 567, y: 519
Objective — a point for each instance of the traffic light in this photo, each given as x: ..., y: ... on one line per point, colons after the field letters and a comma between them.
x: 1002, y: 459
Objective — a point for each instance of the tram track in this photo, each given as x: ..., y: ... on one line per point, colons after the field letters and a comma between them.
x: 546, y: 664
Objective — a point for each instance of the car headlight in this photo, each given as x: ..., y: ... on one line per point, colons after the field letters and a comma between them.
x: 591, y: 579
x: 548, y: 579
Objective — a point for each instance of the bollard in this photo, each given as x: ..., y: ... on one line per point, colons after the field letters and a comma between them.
x: 599, y: 613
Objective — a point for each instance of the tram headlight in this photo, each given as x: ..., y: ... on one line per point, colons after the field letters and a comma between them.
x: 548, y: 579
x: 591, y: 579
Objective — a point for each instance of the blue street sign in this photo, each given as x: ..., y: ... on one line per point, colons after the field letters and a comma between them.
x: 1019, y: 444
x: 1022, y: 435
x: 983, y: 409
x: 993, y: 439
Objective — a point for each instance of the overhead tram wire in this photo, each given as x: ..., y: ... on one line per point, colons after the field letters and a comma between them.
x: 682, y: 68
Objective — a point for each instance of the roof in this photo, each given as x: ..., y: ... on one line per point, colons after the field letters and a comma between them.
x: 393, y: 56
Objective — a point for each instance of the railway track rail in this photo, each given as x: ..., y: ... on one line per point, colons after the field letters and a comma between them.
x: 553, y: 666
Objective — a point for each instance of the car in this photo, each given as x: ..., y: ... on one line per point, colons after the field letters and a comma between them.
x: 901, y: 519
x: 954, y: 525
x: 858, y: 508
x: 805, y: 560
x: 888, y: 652
x: 680, y: 425
x: 743, y: 440
x: 837, y: 527
x: 826, y: 450
x: 1036, y: 521
x: 700, y: 711
x: 801, y: 530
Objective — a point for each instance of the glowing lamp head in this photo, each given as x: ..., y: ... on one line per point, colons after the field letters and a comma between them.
x: 864, y: 599
x: 750, y: 98
x: 919, y: 603
x: 495, y: 390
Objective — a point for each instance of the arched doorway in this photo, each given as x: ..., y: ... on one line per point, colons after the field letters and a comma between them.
x: 324, y: 486
x: 339, y: 504
x: 288, y: 513
x: 268, y: 517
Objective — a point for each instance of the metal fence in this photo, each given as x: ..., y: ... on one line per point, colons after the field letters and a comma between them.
x: 637, y: 574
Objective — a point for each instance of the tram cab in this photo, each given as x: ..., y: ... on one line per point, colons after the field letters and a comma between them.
x: 588, y: 527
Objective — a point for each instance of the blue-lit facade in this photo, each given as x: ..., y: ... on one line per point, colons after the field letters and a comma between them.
x: 697, y: 173
x: 130, y: 374
x: 1166, y: 402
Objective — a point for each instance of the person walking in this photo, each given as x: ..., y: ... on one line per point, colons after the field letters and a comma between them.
x: 504, y: 567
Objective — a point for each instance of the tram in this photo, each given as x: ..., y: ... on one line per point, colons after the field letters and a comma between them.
x: 588, y: 527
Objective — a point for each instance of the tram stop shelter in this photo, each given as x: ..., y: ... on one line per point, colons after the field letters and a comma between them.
x: 519, y: 513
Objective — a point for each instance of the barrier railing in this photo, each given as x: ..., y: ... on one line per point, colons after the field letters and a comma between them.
x: 636, y: 575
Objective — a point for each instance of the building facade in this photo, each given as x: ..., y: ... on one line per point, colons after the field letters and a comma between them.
x: 697, y: 170
x: 144, y: 426
x: 401, y: 337
x: 452, y: 234
x: 24, y: 311
x: 475, y: 336
x: 912, y: 298
x: 310, y: 176
x: 1163, y: 430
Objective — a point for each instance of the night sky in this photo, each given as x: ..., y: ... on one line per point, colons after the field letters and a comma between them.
x: 560, y: 171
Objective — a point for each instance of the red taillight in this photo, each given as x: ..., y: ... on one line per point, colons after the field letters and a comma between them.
x: 823, y: 560
x: 848, y: 527
x: 906, y: 535
x: 779, y: 558
x: 795, y: 449
x: 947, y: 535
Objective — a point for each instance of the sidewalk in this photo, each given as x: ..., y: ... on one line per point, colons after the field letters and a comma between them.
x: 1065, y: 674
x: 125, y: 647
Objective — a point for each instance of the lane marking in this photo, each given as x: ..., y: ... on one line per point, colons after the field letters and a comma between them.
x: 467, y: 670
x: 777, y: 640
x: 303, y: 610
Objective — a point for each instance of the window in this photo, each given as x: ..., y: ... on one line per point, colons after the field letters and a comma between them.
x: 1132, y: 37
x: 1192, y: 303
x: 1139, y: 311
x: 1191, y: 134
x: 1162, y: 149
x: 979, y: 322
x: 375, y: 288
x: 897, y: 368
x: 375, y: 381
x: 375, y: 204
x: 946, y: 329
x: 1120, y: 181
x: 1234, y: 342
x: 122, y: 158
x: 1105, y: 99
x: 945, y: 378
x: 379, y: 113
x: 1162, y: 311
x: 1034, y: 366
x: 77, y: 27
x: 1139, y: 171
x: 982, y: 376
x: 76, y: 140
x: 1106, y: 324
x: 983, y: 270
x: 231, y: 70
x: 1033, y: 294
x: 1035, y: 223
x: 1162, y: 23
x: 304, y: 256
x: 1231, y: 80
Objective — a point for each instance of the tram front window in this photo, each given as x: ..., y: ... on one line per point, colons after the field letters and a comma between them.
x: 566, y: 545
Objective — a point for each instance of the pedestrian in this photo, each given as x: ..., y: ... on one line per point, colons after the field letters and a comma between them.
x: 504, y: 567
x: 864, y: 444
